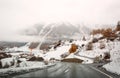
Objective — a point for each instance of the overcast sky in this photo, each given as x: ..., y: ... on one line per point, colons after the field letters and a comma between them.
x: 20, y: 14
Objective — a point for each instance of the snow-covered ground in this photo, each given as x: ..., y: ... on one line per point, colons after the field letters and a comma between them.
x: 114, y: 66
x: 11, y: 65
x: 64, y: 49
x: 25, y: 67
x: 88, y: 56
x: 57, y: 52
x: 112, y: 47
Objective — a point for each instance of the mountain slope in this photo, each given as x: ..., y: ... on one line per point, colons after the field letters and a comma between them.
x: 59, y: 31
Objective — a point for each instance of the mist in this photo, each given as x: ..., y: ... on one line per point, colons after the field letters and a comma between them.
x: 16, y: 15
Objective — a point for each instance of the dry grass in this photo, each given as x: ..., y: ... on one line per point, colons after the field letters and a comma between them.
x: 75, y: 60
x: 73, y: 48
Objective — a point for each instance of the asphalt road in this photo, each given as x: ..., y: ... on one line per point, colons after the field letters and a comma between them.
x: 66, y: 70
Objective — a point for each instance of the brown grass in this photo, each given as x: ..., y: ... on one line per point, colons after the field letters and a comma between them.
x: 36, y: 59
x: 75, y: 60
x: 73, y: 48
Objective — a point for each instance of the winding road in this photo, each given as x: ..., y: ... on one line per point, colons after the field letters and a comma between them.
x: 66, y: 70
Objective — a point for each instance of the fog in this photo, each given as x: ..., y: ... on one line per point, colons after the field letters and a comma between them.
x: 16, y: 15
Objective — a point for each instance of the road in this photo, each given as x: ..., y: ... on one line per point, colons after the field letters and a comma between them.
x: 66, y: 70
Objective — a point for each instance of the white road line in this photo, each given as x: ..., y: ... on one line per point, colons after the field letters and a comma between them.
x: 101, y: 72
x: 66, y: 70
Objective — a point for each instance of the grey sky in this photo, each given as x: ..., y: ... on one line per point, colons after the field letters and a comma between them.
x: 20, y: 14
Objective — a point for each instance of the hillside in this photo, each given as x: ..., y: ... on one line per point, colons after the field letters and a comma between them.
x: 59, y: 31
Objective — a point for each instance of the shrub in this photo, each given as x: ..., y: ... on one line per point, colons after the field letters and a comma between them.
x: 84, y: 39
x: 89, y: 46
x: 4, y: 55
x: 95, y: 40
x: 71, y: 40
x: 107, y: 33
x: 36, y: 59
x: 57, y: 44
x: 106, y: 56
x: 102, y: 45
x: 96, y: 59
x: 2, y: 48
x: 118, y: 26
x: 73, y: 48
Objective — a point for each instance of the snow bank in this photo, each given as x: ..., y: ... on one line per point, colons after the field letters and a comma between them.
x: 31, y: 66
x: 57, y: 53
x: 7, y: 62
x: 114, y: 66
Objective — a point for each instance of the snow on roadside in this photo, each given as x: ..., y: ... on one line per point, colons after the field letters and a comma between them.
x: 112, y: 47
x: 31, y: 64
x: 6, y: 61
x: 25, y: 68
x: 114, y: 66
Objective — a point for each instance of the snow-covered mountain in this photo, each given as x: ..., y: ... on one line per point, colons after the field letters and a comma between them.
x: 105, y: 26
x: 102, y: 50
x: 59, y: 31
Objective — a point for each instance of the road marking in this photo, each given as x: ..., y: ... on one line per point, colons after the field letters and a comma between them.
x: 66, y: 70
x: 101, y: 72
